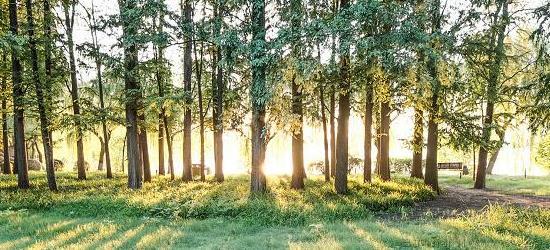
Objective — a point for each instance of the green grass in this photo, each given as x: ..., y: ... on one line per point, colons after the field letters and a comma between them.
x: 498, y: 228
x: 506, y: 184
x: 104, y: 214
x: 99, y: 197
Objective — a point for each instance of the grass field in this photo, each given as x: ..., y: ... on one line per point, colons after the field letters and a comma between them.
x: 100, y: 213
x: 506, y: 184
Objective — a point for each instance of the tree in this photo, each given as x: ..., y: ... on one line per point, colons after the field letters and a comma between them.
x: 42, y: 106
x: 218, y: 88
x: 259, y: 96
x: 341, y: 176
x: 20, y: 159
x: 492, y: 85
x: 130, y: 26
x: 187, y: 69
x: 69, y: 9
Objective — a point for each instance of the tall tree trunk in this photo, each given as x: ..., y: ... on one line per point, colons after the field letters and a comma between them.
x: 431, y: 175
x: 418, y: 144
x: 20, y: 163
x: 101, y: 156
x: 341, y: 177
x: 198, y: 67
x: 132, y: 88
x: 170, y: 152
x: 332, y: 118
x: 104, y: 123
x: 218, y: 88
x: 384, y: 167
x: 367, y: 162
x: 187, y: 68
x: 298, y: 170
x: 144, y: 147
x: 6, y: 169
x: 258, y: 96
x: 431, y: 178
x: 160, y: 85
x: 325, y: 133
x: 69, y: 22
x: 492, y: 92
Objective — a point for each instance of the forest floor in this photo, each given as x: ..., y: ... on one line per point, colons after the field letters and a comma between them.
x: 102, y: 214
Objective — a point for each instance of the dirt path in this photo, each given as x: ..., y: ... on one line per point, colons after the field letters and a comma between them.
x: 457, y: 200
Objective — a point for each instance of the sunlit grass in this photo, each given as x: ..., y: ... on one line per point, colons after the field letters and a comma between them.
x: 507, y: 184
x: 99, y: 197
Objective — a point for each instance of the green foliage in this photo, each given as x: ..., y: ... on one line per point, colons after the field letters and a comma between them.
x: 98, y: 197
x: 543, y: 152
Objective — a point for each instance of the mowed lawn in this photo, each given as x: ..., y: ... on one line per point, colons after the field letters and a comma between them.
x: 104, y: 214
x: 505, y: 184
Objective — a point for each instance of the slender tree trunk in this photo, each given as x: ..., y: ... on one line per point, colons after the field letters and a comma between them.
x: 199, y: 68
x: 218, y: 87
x: 69, y: 21
x: 144, y: 148
x: 297, y: 139
x: 418, y: 144
x: 101, y: 156
x: 160, y: 86
x: 332, y: 117
x: 6, y: 169
x: 325, y: 133
x: 367, y: 163
x: 258, y: 95
x: 20, y: 161
x: 385, y: 141
x: 187, y: 68
x: 132, y: 97
x: 341, y: 175
x: 492, y: 92
x: 104, y: 123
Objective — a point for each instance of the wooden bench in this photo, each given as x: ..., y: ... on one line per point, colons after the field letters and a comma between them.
x: 456, y: 166
x: 196, y: 169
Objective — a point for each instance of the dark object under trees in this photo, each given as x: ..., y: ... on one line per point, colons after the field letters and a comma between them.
x: 42, y: 105
x: 258, y: 97
x: 20, y: 159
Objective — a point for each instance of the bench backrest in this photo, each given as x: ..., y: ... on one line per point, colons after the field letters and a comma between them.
x: 450, y: 165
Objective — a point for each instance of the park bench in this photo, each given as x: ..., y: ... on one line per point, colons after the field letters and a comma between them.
x: 456, y: 166
x: 196, y: 169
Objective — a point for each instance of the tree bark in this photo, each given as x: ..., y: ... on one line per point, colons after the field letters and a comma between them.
x: 297, y: 139
x: 218, y: 88
x: 332, y: 117
x: 160, y: 85
x: 431, y: 178
x: 198, y: 72
x: 492, y: 91
x: 367, y: 148
x: 6, y: 168
x: 132, y: 97
x: 144, y: 148
x: 341, y: 175
x: 20, y: 160
x: 384, y: 167
x: 258, y: 96
x: 325, y: 133
x: 187, y: 68
x: 101, y: 156
x: 417, y: 144
x: 69, y: 22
